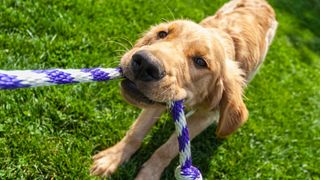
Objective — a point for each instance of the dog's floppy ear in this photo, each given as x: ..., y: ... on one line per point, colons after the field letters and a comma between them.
x: 233, y: 111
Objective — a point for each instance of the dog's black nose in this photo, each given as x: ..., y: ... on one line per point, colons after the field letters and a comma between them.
x: 145, y: 68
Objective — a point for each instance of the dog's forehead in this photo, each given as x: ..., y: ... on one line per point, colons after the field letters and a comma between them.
x: 180, y: 27
x: 188, y: 28
x: 189, y: 37
x: 185, y: 31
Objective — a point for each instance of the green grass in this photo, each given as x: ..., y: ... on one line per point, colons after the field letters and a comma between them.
x: 52, y: 132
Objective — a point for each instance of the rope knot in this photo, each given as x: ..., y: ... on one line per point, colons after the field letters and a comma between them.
x: 188, y: 173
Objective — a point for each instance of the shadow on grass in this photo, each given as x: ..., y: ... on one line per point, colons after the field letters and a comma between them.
x: 305, y: 12
x: 303, y: 28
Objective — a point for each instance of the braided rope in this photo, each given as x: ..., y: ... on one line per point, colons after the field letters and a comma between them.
x: 185, y: 171
x: 32, y: 78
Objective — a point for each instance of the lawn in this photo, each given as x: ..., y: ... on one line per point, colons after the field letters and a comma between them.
x: 52, y: 132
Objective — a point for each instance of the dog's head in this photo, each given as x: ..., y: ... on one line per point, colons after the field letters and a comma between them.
x: 183, y: 60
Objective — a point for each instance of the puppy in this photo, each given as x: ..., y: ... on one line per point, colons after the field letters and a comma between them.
x: 207, y: 64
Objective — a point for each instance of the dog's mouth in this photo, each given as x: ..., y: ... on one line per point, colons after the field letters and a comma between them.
x: 132, y: 93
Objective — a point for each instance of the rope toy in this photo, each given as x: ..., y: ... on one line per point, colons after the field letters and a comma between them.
x: 33, y: 78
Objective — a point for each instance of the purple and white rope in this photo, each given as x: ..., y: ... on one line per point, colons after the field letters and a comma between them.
x: 32, y: 78
x: 185, y: 171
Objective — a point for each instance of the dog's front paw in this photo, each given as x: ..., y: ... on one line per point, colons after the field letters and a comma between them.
x: 106, y: 162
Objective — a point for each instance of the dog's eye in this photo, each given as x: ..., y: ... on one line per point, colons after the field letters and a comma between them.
x: 162, y: 34
x: 200, y: 61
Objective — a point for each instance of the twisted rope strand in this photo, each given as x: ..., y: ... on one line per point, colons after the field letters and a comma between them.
x: 32, y: 78
x: 185, y: 171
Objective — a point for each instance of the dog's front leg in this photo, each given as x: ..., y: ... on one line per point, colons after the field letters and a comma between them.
x: 152, y: 169
x: 107, y: 161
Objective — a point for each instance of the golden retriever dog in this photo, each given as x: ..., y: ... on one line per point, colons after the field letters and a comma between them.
x: 207, y: 65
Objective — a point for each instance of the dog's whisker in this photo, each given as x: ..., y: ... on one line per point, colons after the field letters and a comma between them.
x: 128, y: 41
x: 120, y: 44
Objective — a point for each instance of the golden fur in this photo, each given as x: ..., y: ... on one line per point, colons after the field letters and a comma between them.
x: 233, y: 43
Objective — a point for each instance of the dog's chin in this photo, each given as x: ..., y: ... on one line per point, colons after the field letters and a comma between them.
x: 134, y: 96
